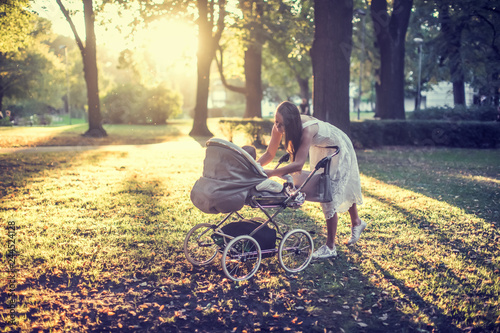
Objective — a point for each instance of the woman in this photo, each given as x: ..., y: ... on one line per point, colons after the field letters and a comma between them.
x: 306, y: 135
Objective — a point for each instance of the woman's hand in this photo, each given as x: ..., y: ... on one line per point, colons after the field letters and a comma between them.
x: 270, y: 172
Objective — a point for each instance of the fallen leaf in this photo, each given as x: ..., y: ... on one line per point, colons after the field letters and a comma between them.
x: 383, y: 317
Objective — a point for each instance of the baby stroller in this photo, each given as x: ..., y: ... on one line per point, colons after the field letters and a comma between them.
x: 232, y: 179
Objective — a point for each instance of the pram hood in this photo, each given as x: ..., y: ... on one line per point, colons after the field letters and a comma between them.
x: 229, y: 175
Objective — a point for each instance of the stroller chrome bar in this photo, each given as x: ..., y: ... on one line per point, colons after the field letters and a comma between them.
x: 321, y: 164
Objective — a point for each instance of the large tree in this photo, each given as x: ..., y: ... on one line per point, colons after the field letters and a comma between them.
x: 211, y: 14
x: 390, y: 31
x: 330, y: 54
x: 89, y: 57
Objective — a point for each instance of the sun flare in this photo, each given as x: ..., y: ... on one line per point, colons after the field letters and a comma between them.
x: 169, y: 42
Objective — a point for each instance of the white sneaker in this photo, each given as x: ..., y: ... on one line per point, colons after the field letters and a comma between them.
x: 324, y: 252
x: 356, y: 233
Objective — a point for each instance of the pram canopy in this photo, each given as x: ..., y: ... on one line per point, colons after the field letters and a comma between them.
x: 230, y: 175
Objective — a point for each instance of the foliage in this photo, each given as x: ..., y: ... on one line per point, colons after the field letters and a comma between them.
x: 120, y: 104
x: 28, y: 73
x: 133, y: 104
x: 15, y: 25
x: 29, y: 107
x: 461, y: 37
x: 376, y: 133
x: 5, y: 121
x: 289, y: 33
x: 459, y: 113
x: 161, y: 104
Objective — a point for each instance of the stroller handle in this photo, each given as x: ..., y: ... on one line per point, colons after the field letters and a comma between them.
x: 283, y: 159
x: 321, y: 164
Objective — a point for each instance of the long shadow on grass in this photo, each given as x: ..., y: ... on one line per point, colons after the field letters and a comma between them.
x: 467, y: 288
x: 442, y: 322
x: 18, y: 169
x: 50, y: 291
x: 457, y: 184
x: 441, y: 234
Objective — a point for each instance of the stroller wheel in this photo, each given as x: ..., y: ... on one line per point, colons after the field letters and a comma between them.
x: 241, y: 258
x: 199, y: 247
x: 295, y: 250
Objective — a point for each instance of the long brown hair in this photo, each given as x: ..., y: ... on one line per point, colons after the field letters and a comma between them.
x: 293, y: 126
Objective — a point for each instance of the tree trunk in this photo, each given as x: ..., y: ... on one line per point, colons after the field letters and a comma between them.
x: 89, y: 59
x: 304, y: 87
x: 253, y: 80
x: 453, y: 36
x: 330, y: 54
x: 1, y: 98
x: 91, y: 77
x: 207, y: 44
x: 200, y: 127
x: 390, y: 34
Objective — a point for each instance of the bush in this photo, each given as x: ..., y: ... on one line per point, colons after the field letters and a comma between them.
x: 255, y: 129
x: 375, y: 133
x: 132, y: 104
x: 161, y: 104
x: 474, y: 113
x: 27, y: 108
x: 5, y: 121
x: 120, y: 104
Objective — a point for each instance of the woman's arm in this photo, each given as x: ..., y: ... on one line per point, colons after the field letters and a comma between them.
x: 272, y: 148
x: 301, y: 156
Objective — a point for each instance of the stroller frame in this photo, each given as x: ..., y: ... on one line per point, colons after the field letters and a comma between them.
x: 242, y: 255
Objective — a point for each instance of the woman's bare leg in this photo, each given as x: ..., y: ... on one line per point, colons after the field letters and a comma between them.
x: 331, y: 228
x: 357, y: 225
x: 353, y: 212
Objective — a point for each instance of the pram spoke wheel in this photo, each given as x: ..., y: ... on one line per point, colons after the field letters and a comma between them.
x: 295, y: 250
x: 199, y: 247
x: 241, y: 258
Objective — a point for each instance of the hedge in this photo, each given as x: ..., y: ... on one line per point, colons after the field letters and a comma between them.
x: 254, y: 128
x: 466, y: 134
x: 377, y: 133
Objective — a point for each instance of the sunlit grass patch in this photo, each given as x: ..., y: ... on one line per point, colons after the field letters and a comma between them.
x: 71, y: 135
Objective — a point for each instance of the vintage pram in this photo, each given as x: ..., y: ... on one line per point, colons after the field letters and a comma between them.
x: 232, y: 179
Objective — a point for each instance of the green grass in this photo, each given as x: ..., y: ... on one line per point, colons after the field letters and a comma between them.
x: 99, y: 236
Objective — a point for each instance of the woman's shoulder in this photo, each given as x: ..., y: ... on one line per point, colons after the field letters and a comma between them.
x: 309, y: 126
x: 308, y: 121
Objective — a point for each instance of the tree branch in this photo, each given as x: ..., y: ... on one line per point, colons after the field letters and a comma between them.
x: 72, y: 25
x: 220, y: 66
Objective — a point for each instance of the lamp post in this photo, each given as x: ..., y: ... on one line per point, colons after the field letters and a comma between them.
x: 419, y: 41
x: 67, y: 80
x: 361, y: 13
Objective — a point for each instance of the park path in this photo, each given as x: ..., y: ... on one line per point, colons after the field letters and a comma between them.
x: 171, y: 145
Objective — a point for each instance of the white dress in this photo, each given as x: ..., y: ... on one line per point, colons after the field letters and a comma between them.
x: 344, y: 169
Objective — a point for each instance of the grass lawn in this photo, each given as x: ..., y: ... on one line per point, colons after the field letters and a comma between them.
x: 98, y: 236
